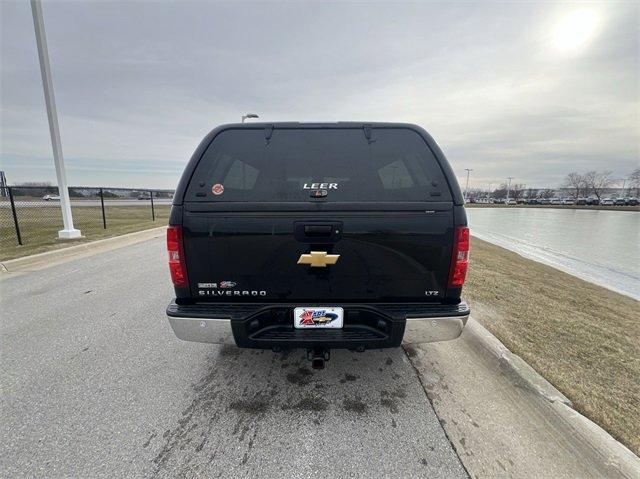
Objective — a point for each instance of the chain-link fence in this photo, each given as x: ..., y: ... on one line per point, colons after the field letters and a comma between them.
x: 31, y: 215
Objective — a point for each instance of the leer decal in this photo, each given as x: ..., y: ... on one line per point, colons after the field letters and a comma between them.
x: 217, y: 189
x: 320, y: 186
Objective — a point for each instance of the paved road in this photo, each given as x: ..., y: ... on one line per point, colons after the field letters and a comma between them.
x: 95, y: 384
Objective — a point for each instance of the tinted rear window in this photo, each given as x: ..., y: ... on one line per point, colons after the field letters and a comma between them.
x: 394, y: 165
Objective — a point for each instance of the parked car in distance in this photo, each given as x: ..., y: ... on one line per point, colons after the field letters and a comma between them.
x: 632, y: 201
x: 144, y: 196
x: 270, y: 252
x: 555, y: 201
x: 619, y: 202
x: 593, y: 201
x: 568, y: 201
x: 581, y: 201
x: 510, y: 201
x: 544, y: 201
x: 607, y: 202
x: 51, y: 198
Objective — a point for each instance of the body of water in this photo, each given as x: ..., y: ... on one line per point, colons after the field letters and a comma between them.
x: 602, y: 247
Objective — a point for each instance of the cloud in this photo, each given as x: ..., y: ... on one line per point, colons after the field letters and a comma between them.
x: 139, y: 84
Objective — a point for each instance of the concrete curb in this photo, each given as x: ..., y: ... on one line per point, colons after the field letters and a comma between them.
x: 611, y: 452
x: 512, y: 364
x: 44, y: 260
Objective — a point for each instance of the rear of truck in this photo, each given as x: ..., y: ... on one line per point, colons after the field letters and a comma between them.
x: 318, y: 236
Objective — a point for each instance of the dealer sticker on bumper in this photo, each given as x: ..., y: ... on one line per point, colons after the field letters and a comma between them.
x: 318, y: 317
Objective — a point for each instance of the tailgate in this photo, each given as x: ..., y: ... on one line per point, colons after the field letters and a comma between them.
x: 378, y: 256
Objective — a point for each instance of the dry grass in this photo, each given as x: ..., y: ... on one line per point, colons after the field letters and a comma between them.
x: 39, y: 226
x: 582, y: 338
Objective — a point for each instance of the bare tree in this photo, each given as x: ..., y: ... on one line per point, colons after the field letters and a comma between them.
x: 576, y: 181
x: 500, y: 192
x: 517, y: 191
x: 634, y: 180
x: 597, y: 181
x: 547, y: 193
x: 473, y: 193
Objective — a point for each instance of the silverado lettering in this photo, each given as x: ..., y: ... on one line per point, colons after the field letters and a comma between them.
x: 375, y: 263
x: 209, y: 292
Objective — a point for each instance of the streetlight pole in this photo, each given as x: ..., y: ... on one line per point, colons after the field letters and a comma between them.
x: 509, y: 187
x: 249, y: 115
x: 466, y: 188
x: 69, y: 232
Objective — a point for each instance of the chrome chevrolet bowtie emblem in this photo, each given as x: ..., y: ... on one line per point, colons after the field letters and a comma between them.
x: 318, y: 259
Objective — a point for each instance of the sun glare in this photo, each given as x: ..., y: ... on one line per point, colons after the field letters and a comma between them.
x: 575, y: 30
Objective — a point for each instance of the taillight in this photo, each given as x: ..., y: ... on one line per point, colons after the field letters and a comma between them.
x: 460, y: 259
x: 175, y: 248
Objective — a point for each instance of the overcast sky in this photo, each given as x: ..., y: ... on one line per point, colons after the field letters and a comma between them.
x: 531, y: 90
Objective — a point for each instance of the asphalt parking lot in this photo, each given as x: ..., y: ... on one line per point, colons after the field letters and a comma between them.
x: 95, y: 384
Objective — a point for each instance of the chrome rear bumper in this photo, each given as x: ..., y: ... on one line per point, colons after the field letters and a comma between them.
x: 431, y: 330
x: 397, y: 323
x: 201, y: 330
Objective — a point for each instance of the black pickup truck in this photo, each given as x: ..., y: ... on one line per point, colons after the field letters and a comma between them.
x: 318, y: 236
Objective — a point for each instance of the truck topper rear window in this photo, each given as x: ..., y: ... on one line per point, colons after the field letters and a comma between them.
x: 342, y: 165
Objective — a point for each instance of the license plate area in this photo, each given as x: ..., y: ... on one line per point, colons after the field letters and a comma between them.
x: 318, y: 317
